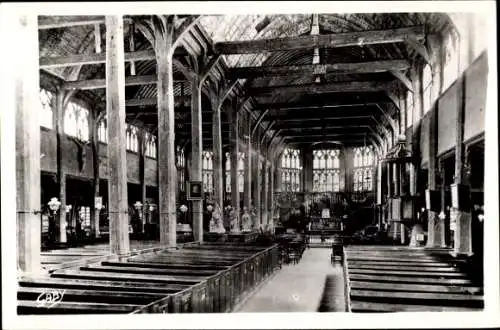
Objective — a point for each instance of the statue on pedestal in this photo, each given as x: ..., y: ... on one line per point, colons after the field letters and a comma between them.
x: 233, y: 217
x: 216, y: 221
x: 246, y: 220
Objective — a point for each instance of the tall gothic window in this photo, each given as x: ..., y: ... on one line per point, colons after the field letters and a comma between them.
x: 46, y: 99
x: 427, y: 85
x: 364, y: 162
x: 181, y: 165
x: 207, y: 162
x: 291, y: 170
x: 150, y: 145
x: 76, y: 121
x: 102, y: 131
x: 241, y: 172
x: 326, y: 170
x: 409, y: 109
x: 132, y: 138
x: 450, y: 70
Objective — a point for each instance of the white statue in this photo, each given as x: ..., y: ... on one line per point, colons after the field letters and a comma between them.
x: 235, y: 226
x: 217, y: 221
x: 246, y: 220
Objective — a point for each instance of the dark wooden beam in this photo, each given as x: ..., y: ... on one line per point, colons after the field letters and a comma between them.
x: 320, y: 41
x: 353, y: 86
x: 313, y: 69
x: 90, y: 84
x: 83, y: 59
x: 296, y: 119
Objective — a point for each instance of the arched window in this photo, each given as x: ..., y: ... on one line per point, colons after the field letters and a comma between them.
x: 102, y: 131
x: 132, y: 138
x: 241, y: 171
x: 291, y: 170
x: 150, y: 145
x: 46, y: 100
x: 451, y: 69
x: 76, y: 121
x: 181, y: 166
x: 326, y: 170
x: 427, y: 86
x: 207, y: 170
x: 363, y: 171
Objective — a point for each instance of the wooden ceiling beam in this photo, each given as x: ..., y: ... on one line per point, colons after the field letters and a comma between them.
x: 341, y: 87
x: 320, y: 41
x: 313, y: 69
x: 91, y: 84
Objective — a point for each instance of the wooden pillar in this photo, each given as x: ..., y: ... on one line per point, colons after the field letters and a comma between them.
x: 218, y: 161
x: 435, y: 225
x: 28, y: 109
x: 61, y: 173
x: 463, y: 217
x: 167, y: 171
x: 94, y: 143
x: 115, y: 108
x: 247, y: 195
x: 265, y: 179
x: 308, y: 169
x: 257, y: 181
x: 196, y: 155
x: 272, y: 167
x: 232, y: 115
x: 142, y: 174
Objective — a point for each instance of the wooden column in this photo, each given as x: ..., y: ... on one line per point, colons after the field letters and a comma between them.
x: 142, y: 174
x: 257, y: 179
x: 167, y: 171
x: 247, y: 195
x: 265, y: 179
x: 196, y: 155
x: 435, y: 226
x: 271, y: 190
x: 463, y: 217
x: 94, y: 144
x: 233, y: 154
x: 416, y: 78
x: 28, y: 109
x: 218, y: 162
x: 115, y: 108
x: 61, y: 173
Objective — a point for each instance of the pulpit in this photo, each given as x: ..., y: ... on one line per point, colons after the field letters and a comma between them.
x: 400, y: 203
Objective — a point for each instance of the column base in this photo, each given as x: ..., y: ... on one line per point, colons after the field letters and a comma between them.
x: 463, y: 234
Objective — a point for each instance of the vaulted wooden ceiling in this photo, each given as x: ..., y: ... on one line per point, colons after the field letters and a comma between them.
x: 307, y: 78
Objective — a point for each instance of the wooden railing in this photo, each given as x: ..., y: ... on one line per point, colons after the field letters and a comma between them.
x: 221, y: 292
x: 347, y: 284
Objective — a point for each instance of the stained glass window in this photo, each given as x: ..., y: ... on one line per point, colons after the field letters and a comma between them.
x: 46, y: 100
x: 181, y: 165
x: 409, y: 109
x: 326, y: 170
x: 241, y: 171
x: 132, y: 138
x: 150, y: 145
x: 291, y: 170
x: 427, y: 86
x: 208, y: 171
x: 76, y: 121
x: 364, y: 162
x: 102, y: 131
x: 450, y: 70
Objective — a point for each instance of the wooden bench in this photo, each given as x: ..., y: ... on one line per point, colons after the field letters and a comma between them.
x: 184, y: 280
x: 389, y: 279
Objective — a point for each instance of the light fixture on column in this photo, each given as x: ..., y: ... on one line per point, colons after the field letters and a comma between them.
x: 54, y: 204
x: 68, y: 208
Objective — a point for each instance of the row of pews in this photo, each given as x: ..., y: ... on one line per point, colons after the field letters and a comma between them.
x: 403, y: 279
x: 206, y: 278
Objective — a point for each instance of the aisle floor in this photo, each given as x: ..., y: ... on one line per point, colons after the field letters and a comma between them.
x: 301, y: 287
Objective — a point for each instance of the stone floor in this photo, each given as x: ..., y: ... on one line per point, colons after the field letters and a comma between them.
x: 312, y: 285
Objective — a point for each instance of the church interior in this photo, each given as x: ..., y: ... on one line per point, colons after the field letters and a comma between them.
x: 232, y: 163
